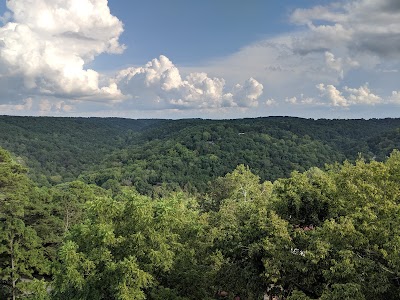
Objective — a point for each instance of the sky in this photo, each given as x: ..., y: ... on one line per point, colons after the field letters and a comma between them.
x: 218, y: 59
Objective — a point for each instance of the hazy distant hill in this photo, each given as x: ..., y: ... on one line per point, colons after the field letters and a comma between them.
x: 187, y: 153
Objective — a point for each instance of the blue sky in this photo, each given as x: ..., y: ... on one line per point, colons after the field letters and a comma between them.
x: 193, y: 31
x: 189, y: 32
x: 208, y: 59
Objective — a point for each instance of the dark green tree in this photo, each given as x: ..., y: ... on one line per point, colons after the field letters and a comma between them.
x: 21, y: 252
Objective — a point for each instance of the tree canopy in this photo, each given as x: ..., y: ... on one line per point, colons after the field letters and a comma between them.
x: 202, y: 209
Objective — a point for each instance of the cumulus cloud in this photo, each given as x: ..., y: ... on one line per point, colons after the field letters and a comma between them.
x: 330, y: 43
x: 333, y: 95
x: 45, y: 46
x: 361, y: 95
x: 247, y: 95
x: 47, y: 43
x: 333, y: 63
x: 159, y: 84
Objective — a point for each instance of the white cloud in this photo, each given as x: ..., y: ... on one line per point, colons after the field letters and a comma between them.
x: 362, y: 95
x: 159, y: 84
x: 333, y: 63
x: 247, y: 95
x: 331, y: 13
x: 291, y: 100
x: 338, y: 46
x: 355, y: 96
x: 48, y: 42
x: 270, y: 102
x: 46, y: 45
x: 333, y: 95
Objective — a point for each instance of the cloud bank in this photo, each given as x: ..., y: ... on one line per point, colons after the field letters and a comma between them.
x: 159, y: 84
x: 339, y: 57
x: 45, y: 46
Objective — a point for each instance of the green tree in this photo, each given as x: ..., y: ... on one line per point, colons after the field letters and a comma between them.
x: 353, y: 252
x: 21, y: 253
x: 131, y: 247
x: 249, y: 236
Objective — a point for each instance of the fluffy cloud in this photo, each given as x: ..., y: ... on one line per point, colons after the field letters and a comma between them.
x: 48, y: 42
x: 362, y: 95
x: 247, y: 95
x: 333, y: 95
x: 159, y: 84
x: 270, y: 102
x: 46, y: 45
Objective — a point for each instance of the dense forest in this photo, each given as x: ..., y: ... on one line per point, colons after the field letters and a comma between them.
x: 187, y: 154
x: 199, y: 209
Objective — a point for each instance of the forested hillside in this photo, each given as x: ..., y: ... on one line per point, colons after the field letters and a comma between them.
x: 159, y: 155
x: 59, y: 149
x: 323, y: 234
x: 199, y: 209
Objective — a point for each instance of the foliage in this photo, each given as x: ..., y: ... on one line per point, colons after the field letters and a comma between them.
x: 186, y: 154
x: 128, y: 245
x: 21, y: 252
x: 210, y: 219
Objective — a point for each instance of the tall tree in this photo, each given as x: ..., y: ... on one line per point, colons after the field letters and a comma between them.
x: 20, y: 248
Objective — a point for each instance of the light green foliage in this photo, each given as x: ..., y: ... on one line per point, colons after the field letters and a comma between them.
x: 241, y: 186
x: 248, y: 235
x: 129, y: 244
x: 69, y: 200
x: 35, y: 290
x: 354, y: 252
x: 89, y: 267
